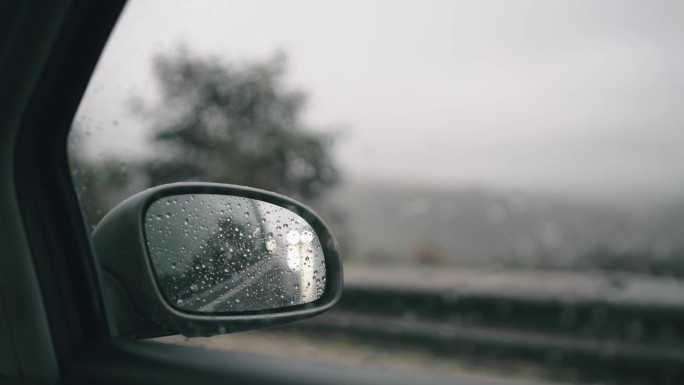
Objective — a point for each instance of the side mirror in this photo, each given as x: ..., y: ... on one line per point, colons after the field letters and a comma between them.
x: 201, y: 259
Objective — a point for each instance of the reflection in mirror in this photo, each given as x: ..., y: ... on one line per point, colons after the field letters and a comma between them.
x: 217, y: 253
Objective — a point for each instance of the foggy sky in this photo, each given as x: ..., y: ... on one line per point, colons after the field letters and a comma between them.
x: 583, y: 97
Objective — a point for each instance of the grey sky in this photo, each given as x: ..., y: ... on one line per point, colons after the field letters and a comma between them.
x: 583, y: 96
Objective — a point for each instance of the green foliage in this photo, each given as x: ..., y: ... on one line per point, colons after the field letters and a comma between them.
x: 213, y: 122
x: 235, y: 123
x: 101, y: 185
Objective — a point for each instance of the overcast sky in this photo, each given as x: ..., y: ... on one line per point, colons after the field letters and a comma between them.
x: 583, y: 97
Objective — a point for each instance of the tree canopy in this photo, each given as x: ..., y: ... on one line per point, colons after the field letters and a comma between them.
x: 234, y: 123
x: 213, y: 121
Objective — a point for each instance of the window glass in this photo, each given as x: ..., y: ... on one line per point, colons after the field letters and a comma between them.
x: 505, y: 178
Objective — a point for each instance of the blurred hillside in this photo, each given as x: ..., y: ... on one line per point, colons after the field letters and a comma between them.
x: 390, y: 223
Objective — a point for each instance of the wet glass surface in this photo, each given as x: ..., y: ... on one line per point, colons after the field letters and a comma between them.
x: 216, y: 253
x: 504, y: 179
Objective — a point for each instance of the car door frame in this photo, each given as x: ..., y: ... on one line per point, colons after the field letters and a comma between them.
x: 50, y: 301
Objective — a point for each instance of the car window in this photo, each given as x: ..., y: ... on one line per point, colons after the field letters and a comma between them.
x: 504, y: 178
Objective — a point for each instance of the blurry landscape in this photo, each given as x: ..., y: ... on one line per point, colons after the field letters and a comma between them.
x: 503, y: 230
x: 238, y: 123
x: 505, y: 184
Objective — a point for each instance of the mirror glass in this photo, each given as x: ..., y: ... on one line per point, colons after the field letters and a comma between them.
x: 218, y: 253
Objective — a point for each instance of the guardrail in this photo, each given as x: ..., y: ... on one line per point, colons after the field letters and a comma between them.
x: 594, y: 339
x: 633, y: 323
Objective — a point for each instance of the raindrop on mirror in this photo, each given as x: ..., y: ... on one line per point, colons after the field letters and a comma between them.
x: 208, y: 259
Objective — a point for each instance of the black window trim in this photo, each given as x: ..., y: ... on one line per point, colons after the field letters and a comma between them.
x: 60, y: 246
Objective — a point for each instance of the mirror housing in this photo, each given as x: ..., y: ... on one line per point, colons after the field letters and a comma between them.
x: 136, y: 305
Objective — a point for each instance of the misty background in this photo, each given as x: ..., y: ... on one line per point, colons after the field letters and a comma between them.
x: 491, y: 134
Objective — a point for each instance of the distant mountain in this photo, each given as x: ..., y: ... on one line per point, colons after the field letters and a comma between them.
x: 388, y: 223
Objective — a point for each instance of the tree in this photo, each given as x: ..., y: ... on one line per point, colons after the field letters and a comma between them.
x: 213, y: 122
x: 234, y: 123
x: 102, y: 183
